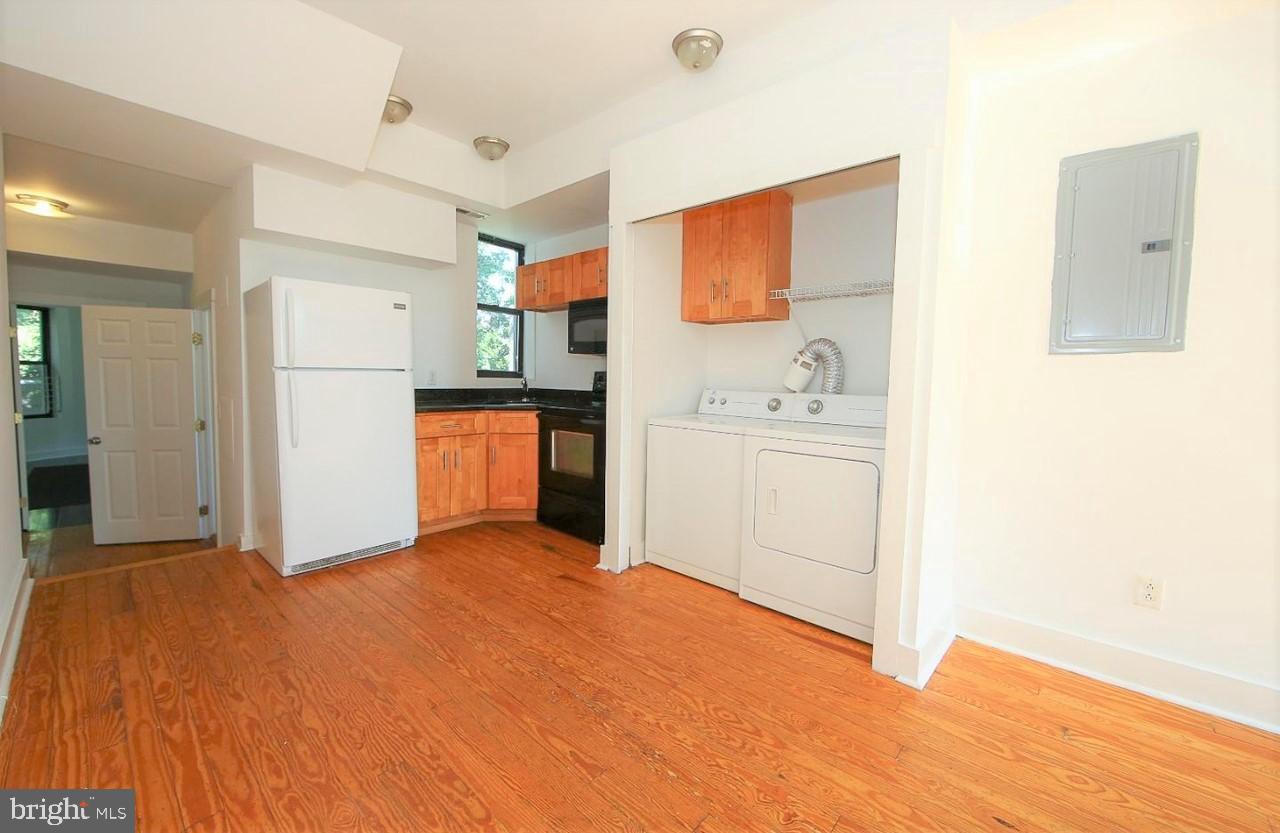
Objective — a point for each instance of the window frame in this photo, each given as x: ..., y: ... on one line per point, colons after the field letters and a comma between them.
x: 517, y: 313
x: 46, y: 360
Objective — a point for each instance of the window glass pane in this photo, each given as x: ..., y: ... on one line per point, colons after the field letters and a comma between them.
x: 495, y: 275
x: 30, y: 335
x: 496, y: 338
x: 33, y: 386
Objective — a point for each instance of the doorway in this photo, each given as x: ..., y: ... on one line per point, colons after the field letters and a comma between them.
x: 111, y: 441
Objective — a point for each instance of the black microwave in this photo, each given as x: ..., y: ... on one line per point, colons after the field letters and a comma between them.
x: 589, y: 326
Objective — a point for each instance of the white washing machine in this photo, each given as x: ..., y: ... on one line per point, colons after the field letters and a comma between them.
x: 775, y: 496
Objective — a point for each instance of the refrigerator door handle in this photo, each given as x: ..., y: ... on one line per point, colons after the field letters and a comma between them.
x: 288, y: 327
x: 293, y: 410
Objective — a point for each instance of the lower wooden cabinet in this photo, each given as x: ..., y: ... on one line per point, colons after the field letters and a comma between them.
x: 434, y: 456
x: 475, y: 466
x: 513, y: 471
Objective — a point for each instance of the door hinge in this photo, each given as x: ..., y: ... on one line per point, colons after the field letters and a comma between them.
x: 17, y: 419
x: 204, y: 510
x: 197, y: 339
x: 13, y: 332
x: 200, y: 425
x: 22, y: 502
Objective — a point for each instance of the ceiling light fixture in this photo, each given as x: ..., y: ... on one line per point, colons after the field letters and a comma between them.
x: 697, y: 49
x: 41, y: 206
x: 491, y: 147
x: 397, y: 109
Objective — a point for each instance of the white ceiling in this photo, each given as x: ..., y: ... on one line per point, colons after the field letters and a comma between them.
x: 526, y: 69
x: 104, y: 188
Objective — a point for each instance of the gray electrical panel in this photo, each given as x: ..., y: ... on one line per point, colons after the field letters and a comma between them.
x: 1123, y: 253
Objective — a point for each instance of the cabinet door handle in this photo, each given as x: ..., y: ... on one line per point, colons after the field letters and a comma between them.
x: 451, y: 425
x: 725, y: 293
x: 711, y: 292
x: 493, y: 455
x: 444, y: 460
x: 457, y: 459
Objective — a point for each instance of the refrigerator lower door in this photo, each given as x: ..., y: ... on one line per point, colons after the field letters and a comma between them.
x: 322, y: 325
x: 347, y: 468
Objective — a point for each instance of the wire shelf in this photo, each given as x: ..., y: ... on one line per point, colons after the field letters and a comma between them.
x: 835, y: 290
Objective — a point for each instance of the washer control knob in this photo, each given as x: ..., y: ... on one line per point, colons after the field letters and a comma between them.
x: 724, y: 401
x: 815, y: 406
x: 711, y: 400
x: 775, y: 404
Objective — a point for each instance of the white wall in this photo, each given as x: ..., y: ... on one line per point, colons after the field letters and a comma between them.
x: 548, y: 362
x: 31, y: 284
x: 369, y: 219
x: 100, y: 241
x: 844, y: 238
x: 1077, y: 474
x: 62, y: 435
x: 444, y: 300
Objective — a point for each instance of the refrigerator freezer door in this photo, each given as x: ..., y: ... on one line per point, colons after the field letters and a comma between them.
x: 347, y: 464
x: 317, y: 324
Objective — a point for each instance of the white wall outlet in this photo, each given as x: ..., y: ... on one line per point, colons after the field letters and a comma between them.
x: 1149, y: 592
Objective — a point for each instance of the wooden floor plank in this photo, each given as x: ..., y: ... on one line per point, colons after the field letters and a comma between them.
x: 492, y: 679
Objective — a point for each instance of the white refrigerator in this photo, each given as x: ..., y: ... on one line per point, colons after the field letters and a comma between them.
x: 329, y: 385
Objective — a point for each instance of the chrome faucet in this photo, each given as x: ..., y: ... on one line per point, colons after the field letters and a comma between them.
x: 524, y: 386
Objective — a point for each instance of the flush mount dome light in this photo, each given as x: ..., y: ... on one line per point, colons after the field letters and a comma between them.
x: 491, y: 147
x: 42, y: 206
x: 696, y: 49
x: 396, y: 110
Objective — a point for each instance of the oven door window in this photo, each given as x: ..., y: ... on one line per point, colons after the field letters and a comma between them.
x: 573, y: 452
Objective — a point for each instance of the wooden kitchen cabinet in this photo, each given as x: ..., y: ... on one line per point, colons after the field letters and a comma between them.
x: 550, y: 285
x: 475, y: 466
x: 513, y: 471
x: 735, y: 253
x: 557, y: 283
x: 433, y: 479
x: 468, y: 477
x: 527, y: 286
x: 591, y: 274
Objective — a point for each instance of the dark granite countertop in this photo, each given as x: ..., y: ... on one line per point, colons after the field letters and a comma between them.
x: 433, y: 407
x: 435, y: 400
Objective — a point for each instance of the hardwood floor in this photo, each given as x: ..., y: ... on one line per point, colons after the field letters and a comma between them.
x: 55, y: 549
x: 491, y: 679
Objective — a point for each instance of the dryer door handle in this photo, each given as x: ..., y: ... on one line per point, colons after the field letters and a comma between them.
x: 772, y: 503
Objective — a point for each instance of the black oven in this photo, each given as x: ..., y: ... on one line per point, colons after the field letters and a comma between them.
x: 571, y: 472
x: 589, y: 326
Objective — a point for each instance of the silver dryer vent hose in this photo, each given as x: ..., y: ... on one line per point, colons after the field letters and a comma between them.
x: 828, y: 352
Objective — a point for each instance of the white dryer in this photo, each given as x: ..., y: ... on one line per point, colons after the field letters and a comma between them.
x: 806, y: 472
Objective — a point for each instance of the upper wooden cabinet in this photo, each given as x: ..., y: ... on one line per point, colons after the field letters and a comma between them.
x: 735, y: 252
x: 591, y: 274
x: 527, y: 286
x: 552, y: 284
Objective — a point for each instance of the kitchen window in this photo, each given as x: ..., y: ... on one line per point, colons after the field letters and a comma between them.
x: 499, y: 325
x: 35, y: 373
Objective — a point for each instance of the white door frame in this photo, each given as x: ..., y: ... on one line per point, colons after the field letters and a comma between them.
x: 206, y: 409
x: 24, y: 502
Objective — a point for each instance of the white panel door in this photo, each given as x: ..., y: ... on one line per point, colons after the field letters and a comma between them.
x: 140, y: 414
x: 330, y: 325
x: 348, y: 464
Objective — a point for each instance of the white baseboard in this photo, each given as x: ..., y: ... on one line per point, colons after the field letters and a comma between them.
x: 247, y: 543
x: 1245, y: 701
x: 926, y: 659
x: 13, y: 638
